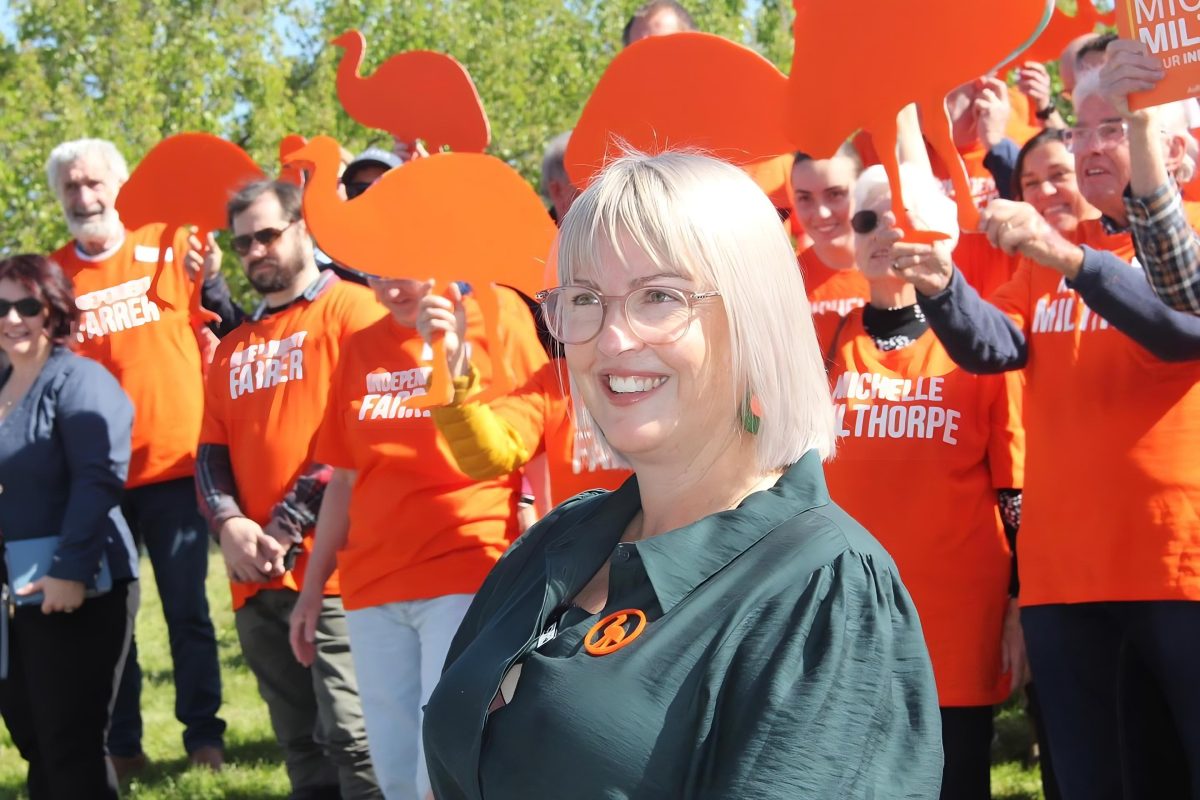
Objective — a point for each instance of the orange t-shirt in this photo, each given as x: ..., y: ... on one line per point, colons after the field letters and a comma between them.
x: 923, y: 446
x: 265, y: 399
x: 832, y: 291
x: 1110, y: 512
x: 540, y: 413
x: 985, y: 267
x: 142, y: 332
x: 419, y: 527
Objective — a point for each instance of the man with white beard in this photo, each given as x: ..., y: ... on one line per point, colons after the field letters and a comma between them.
x: 135, y: 320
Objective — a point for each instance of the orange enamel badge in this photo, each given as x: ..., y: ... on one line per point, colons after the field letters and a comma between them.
x: 610, y: 634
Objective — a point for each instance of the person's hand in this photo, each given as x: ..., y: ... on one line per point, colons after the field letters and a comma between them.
x: 407, y: 151
x: 992, y: 111
x: 302, y: 628
x: 1013, y: 658
x: 445, y: 316
x: 1018, y: 228
x: 1128, y: 67
x: 57, y: 594
x: 928, y: 268
x: 1033, y: 81
x: 203, y: 259
x: 251, y: 556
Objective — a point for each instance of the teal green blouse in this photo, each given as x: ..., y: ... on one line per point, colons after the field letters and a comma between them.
x: 782, y: 658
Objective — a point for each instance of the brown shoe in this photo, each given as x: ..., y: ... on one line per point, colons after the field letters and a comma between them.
x: 209, y: 756
x: 128, y: 766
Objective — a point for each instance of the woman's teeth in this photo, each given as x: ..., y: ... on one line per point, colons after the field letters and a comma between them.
x: 623, y: 385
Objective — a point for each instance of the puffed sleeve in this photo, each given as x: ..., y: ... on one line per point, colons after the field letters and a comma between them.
x: 832, y: 696
x: 94, y: 419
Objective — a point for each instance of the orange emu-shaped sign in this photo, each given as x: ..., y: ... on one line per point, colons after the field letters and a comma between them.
x: 687, y: 89
x: 853, y: 68
x: 291, y: 173
x: 414, y: 95
x: 1063, y: 28
x: 411, y: 224
x: 856, y: 65
x: 185, y: 179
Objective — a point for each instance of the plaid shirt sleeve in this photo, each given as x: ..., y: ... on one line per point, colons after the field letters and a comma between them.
x: 1167, y: 246
x: 297, y: 512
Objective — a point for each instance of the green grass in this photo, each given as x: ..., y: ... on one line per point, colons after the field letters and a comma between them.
x: 255, y: 768
x: 255, y: 764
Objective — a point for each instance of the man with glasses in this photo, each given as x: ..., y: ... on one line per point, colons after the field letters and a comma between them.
x: 1161, y: 155
x: 134, y: 319
x: 261, y: 490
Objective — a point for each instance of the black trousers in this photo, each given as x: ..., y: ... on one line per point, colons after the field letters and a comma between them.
x: 967, y: 744
x: 57, y: 698
x: 1119, y: 685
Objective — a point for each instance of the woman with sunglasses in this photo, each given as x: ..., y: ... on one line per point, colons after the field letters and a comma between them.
x: 1110, y: 536
x: 900, y: 400
x: 716, y: 627
x: 70, y: 591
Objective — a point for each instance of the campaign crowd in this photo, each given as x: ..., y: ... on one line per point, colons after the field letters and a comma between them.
x: 856, y: 489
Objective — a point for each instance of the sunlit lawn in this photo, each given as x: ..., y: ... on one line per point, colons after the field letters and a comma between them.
x: 255, y: 769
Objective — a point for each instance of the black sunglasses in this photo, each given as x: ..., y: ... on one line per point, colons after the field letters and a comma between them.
x: 863, y: 222
x: 26, y: 306
x: 266, y: 237
x: 356, y: 188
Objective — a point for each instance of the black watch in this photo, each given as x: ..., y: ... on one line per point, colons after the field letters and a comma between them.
x: 1046, y: 112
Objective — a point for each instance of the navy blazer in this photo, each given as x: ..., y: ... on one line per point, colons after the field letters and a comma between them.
x: 64, y: 455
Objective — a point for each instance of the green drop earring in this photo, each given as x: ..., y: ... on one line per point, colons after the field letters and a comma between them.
x: 751, y: 414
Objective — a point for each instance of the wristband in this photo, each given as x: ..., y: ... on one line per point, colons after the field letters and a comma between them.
x: 1046, y: 112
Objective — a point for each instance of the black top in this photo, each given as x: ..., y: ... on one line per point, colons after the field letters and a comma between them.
x: 782, y: 658
x: 64, y: 455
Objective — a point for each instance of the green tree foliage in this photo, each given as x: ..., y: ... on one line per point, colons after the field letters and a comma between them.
x: 252, y: 71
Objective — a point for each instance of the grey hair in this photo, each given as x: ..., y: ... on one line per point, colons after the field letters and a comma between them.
x: 553, y: 162
x: 924, y: 197
x: 67, y: 153
x: 707, y: 221
x: 1173, y: 119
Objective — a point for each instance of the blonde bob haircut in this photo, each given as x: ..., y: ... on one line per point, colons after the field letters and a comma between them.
x: 710, y: 223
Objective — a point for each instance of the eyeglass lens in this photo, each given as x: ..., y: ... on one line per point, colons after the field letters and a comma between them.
x: 657, y: 315
x: 26, y: 307
x: 865, y: 221
x: 265, y: 237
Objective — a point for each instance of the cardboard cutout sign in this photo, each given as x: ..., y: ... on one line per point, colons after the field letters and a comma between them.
x: 1171, y: 32
x: 290, y: 172
x: 686, y: 89
x: 857, y: 66
x: 1063, y: 28
x: 410, y: 225
x: 414, y: 95
x: 185, y: 179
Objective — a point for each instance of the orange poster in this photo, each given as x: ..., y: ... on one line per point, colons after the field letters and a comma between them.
x: 1170, y: 29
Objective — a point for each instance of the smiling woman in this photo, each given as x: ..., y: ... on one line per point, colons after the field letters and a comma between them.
x: 717, y: 613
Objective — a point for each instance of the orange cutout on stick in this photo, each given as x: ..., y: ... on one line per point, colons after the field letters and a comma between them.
x: 185, y: 179
x: 291, y: 173
x: 686, y: 89
x: 410, y: 224
x: 609, y: 634
x: 414, y: 95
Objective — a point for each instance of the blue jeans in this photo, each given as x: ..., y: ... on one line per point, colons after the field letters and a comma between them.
x: 164, y: 518
x: 1118, y: 688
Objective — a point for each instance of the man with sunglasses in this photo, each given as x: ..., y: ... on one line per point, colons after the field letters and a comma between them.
x: 261, y: 490
x: 134, y: 319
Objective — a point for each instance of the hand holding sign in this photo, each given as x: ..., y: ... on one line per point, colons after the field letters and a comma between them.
x: 1128, y: 67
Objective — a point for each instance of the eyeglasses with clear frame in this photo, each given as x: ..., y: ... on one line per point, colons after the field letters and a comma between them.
x: 656, y: 314
x: 1108, y: 134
